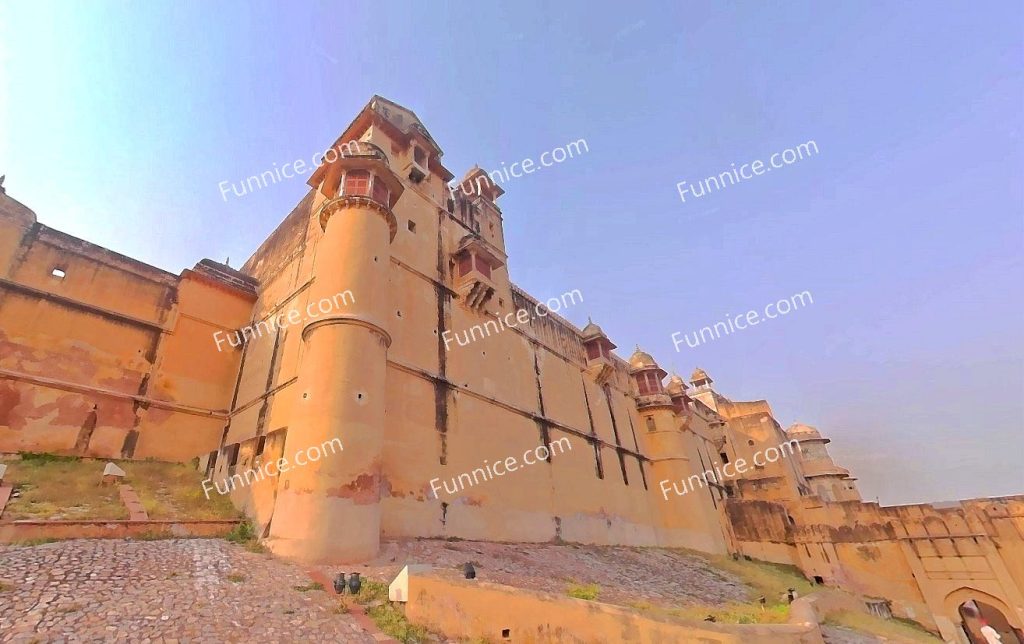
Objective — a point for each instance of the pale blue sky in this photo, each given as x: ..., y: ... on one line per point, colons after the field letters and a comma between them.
x: 118, y: 120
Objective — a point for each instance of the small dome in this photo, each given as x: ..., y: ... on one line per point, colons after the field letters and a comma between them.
x: 592, y: 331
x: 699, y: 374
x: 676, y: 385
x: 802, y: 432
x: 642, y: 360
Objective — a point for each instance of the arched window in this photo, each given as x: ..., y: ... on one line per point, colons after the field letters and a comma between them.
x: 357, y: 182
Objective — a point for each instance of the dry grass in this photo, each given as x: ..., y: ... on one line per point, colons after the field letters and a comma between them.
x: 61, y: 487
x: 389, y: 616
x: 766, y: 580
x: 894, y: 629
x: 174, y: 491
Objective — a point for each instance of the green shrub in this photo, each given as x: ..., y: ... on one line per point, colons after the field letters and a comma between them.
x: 43, y: 457
x: 389, y: 618
x: 242, y: 533
x: 583, y: 591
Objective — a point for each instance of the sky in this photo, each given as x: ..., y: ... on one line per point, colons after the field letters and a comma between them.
x: 118, y: 122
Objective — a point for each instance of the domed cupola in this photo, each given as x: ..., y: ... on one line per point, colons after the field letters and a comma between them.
x: 648, y: 375
x: 700, y: 379
x: 676, y: 390
x: 676, y: 386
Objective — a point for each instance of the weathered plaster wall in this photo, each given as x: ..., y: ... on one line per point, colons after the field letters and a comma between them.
x: 108, y: 357
x: 450, y: 410
x: 482, y: 610
x: 917, y: 556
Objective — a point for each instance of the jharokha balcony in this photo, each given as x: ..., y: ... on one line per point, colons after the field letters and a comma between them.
x: 474, y: 263
x: 358, y: 172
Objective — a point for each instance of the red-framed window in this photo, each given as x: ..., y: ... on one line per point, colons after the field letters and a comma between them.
x: 381, y: 194
x: 648, y: 383
x: 357, y: 182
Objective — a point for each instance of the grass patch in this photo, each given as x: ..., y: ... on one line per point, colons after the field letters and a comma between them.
x: 60, y: 487
x: 244, y: 534
x: 241, y: 533
x: 308, y: 587
x: 236, y: 578
x: 175, y: 491
x: 6, y: 587
x: 735, y: 613
x: 583, y: 591
x: 43, y: 457
x: 899, y: 629
x: 54, y: 487
x: 389, y: 618
x: 762, y: 579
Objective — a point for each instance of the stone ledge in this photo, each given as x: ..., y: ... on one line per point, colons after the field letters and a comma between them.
x: 479, y: 609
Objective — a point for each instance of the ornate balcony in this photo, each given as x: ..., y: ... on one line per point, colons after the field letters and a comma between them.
x: 474, y: 262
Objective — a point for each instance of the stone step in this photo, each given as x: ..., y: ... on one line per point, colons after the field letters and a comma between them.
x: 136, y: 511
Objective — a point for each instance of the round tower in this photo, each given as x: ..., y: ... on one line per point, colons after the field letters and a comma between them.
x: 328, y: 510
x: 664, y: 440
x: 687, y: 516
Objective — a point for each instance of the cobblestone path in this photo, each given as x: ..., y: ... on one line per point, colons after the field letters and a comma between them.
x: 181, y: 590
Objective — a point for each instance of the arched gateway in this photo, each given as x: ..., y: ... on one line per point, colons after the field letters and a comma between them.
x: 977, y: 609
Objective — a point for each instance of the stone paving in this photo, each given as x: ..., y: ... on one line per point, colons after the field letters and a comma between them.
x: 180, y: 590
x: 625, y: 575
